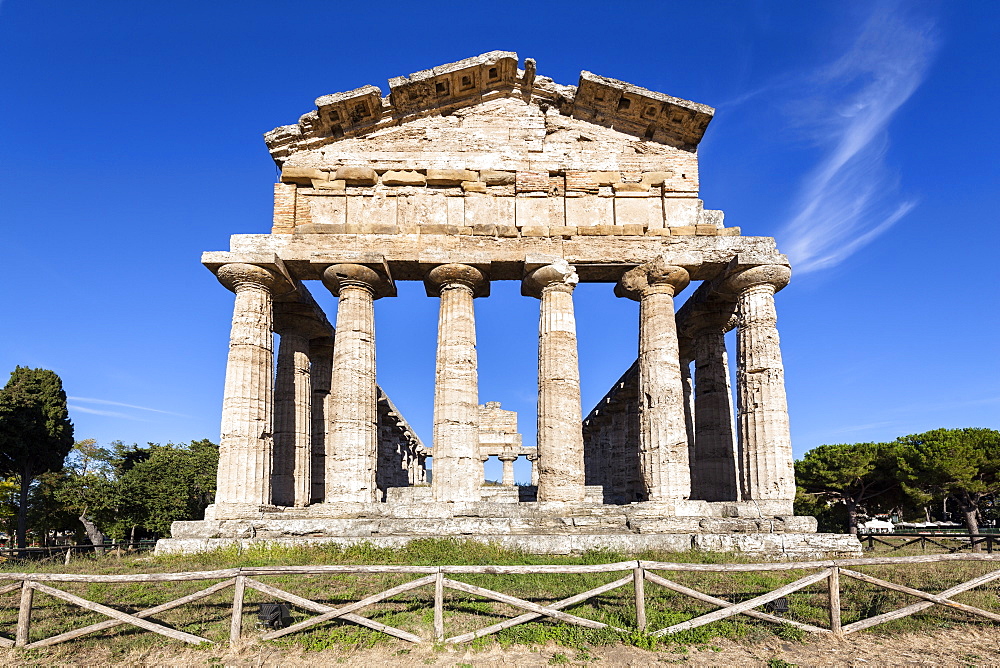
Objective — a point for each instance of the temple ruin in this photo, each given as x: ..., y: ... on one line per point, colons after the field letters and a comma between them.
x: 463, y: 175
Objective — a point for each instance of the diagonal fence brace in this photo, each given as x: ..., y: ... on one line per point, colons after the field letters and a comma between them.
x: 117, y: 614
x: 737, y: 608
x: 329, y: 612
x: 527, y: 605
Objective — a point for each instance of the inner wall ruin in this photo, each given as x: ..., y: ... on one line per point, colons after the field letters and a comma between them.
x: 481, y: 171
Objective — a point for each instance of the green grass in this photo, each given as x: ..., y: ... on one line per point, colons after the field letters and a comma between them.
x: 412, y: 610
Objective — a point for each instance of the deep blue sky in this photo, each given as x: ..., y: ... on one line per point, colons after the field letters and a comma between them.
x: 861, y: 134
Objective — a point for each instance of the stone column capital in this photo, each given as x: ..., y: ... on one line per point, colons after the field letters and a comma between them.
x: 237, y: 275
x: 454, y: 274
x: 507, y: 456
x: 656, y: 277
x: 559, y: 276
x: 338, y: 276
x: 775, y: 275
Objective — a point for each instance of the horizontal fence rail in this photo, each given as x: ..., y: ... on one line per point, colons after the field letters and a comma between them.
x: 636, y: 573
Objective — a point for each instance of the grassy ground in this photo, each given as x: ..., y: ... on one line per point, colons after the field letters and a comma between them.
x: 412, y: 611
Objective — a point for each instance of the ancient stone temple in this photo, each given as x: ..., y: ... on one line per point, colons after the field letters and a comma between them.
x: 463, y: 175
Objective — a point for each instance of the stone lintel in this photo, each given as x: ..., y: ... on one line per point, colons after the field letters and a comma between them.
x: 596, y: 259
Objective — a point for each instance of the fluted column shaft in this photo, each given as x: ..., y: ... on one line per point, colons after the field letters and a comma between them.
x: 291, y: 471
x: 663, y: 428
x: 663, y: 442
x: 245, y: 448
x: 321, y: 358
x: 713, y: 463
x: 456, y: 387
x: 560, y: 423
x: 765, y: 441
x: 353, y: 434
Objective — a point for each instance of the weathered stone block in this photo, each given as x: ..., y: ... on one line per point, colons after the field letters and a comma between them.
x: 302, y: 175
x: 586, y: 211
x: 531, y: 211
x: 403, y: 178
x: 535, y: 231
x: 450, y: 177
x: 682, y: 231
x: 328, y: 210
x: 630, y: 188
x: 729, y: 232
x: 473, y: 186
x: 706, y: 230
x: 509, y: 231
x: 644, y: 211
x: 357, y: 176
x: 496, y: 178
x: 484, y: 229
x: 633, y: 230
x: 681, y: 211
x: 424, y: 208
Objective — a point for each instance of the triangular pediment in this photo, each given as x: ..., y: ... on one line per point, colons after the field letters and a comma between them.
x: 476, y: 99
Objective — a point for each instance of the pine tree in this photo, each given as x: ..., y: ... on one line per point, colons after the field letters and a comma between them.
x: 35, y: 432
x: 960, y: 463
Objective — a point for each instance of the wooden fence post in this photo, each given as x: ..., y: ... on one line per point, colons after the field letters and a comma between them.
x: 639, y: 581
x: 236, y: 624
x: 439, y: 607
x: 833, y: 586
x: 24, y: 614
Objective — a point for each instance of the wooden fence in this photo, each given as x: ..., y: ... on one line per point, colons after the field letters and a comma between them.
x: 635, y: 573
x: 959, y: 542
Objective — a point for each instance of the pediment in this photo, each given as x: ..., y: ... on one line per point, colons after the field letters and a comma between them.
x: 477, y: 100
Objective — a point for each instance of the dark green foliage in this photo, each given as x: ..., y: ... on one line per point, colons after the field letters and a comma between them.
x: 169, y: 483
x: 847, y: 477
x: 963, y: 464
x: 35, y: 431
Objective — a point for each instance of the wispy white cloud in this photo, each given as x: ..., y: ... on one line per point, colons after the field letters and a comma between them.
x: 850, y: 196
x: 106, y: 402
x: 97, y: 411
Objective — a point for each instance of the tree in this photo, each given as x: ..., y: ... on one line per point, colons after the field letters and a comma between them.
x: 87, y: 489
x: 852, y: 474
x: 963, y: 464
x: 172, y: 482
x: 35, y: 432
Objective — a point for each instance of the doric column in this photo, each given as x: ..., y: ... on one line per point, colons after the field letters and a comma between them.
x: 291, y: 475
x: 765, y: 442
x: 353, y: 432
x: 713, y: 462
x: 507, y: 459
x: 663, y: 448
x: 456, y: 384
x: 534, y: 469
x: 321, y: 358
x: 246, y: 445
x: 560, y: 423
x: 687, y: 381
